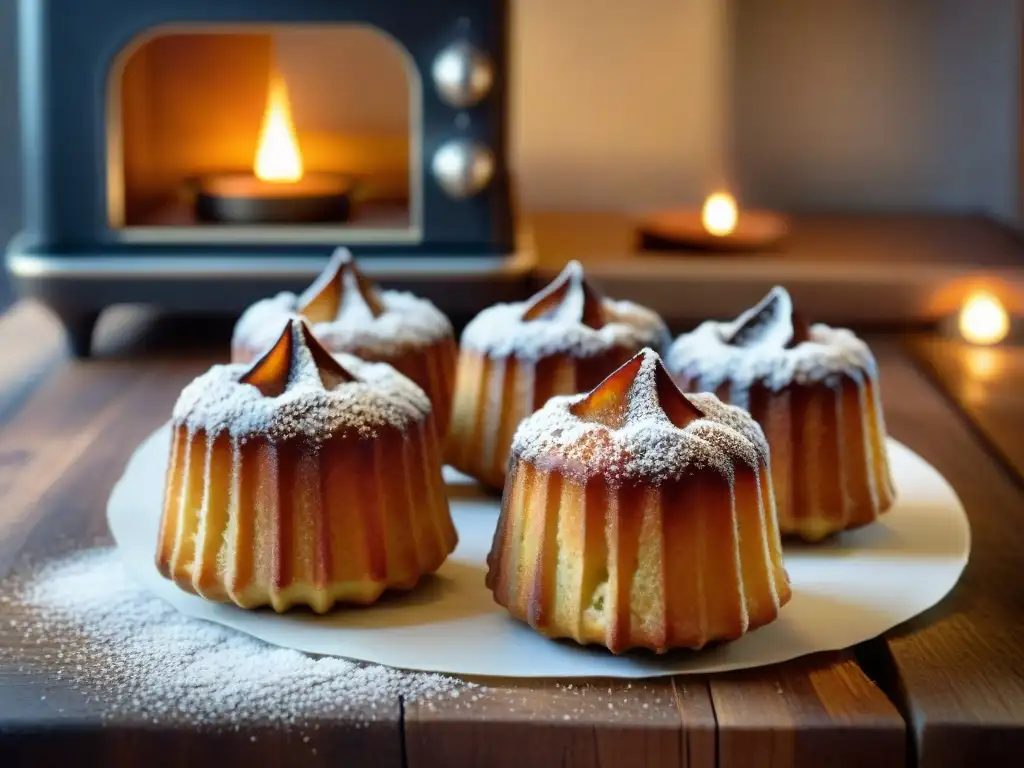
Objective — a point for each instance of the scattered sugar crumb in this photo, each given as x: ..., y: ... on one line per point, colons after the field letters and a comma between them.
x: 135, y: 655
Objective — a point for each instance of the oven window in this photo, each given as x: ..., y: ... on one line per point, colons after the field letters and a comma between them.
x: 251, y: 113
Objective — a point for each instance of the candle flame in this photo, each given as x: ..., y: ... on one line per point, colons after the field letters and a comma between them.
x: 277, y: 154
x: 983, y: 319
x: 719, y: 214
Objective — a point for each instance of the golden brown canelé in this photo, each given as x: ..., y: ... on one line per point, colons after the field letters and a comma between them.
x: 639, y: 517
x: 304, y: 479
x: 513, y: 357
x: 815, y: 392
x: 349, y: 314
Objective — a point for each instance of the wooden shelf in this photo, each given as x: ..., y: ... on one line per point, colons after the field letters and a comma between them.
x: 849, y: 269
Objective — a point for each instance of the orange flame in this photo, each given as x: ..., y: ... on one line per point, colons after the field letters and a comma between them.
x: 277, y: 155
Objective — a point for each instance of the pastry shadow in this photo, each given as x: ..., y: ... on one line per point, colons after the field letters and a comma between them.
x: 941, y: 538
x: 471, y: 492
x: 438, y: 597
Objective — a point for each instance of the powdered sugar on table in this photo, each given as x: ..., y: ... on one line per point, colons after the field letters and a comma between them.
x: 136, y: 654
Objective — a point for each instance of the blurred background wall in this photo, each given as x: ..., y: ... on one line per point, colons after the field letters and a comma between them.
x: 879, y: 104
x: 805, y: 104
x: 619, y: 104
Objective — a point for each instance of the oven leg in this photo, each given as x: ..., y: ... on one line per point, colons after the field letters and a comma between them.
x: 78, y: 325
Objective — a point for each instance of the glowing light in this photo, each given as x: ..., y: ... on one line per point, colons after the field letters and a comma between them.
x: 719, y: 214
x: 277, y: 154
x: 983, y: 319
x: 984, y: 363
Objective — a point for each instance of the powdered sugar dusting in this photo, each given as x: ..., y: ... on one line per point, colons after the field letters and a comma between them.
x: 648, y: 446
x: 769, y: 322
x: 500, y: 331
x: 735, y: 419
x: 93, y: 628
x: 707, y: 355
x: 379, y: 397
x: 408, y: 323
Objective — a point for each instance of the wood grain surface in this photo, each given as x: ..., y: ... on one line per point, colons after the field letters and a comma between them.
x: 957, y: 670
x: 955, y: 674
x: 31, y: 345
x: 542, y: 723
x: 985, y: 383
x: 821, y: 710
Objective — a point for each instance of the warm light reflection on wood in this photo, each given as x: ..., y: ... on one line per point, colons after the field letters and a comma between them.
x: 983, y: 363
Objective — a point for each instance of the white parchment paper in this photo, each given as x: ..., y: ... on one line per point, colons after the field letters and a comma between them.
x: 846, y: 591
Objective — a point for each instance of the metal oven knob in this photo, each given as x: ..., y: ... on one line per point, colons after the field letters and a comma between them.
x: 463, y: 167
x: 462, y: 74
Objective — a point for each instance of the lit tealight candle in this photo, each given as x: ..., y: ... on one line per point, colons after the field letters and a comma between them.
x: 716, y: 226
x: 983, y: 319
x: 279, y: 190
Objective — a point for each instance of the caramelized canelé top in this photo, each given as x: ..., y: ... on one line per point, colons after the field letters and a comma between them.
x: 569, y: 316
x: 771, y: 344
x: 298, y: 389
x: 347, y: 311
x: 636, y: 426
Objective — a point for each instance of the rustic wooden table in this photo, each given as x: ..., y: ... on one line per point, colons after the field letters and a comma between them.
x: 945, y: 689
